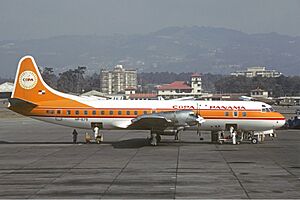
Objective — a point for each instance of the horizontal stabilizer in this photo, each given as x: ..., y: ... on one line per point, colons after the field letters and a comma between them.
x: 20, y: 106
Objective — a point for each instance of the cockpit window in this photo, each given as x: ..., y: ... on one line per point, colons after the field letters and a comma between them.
x: 271, y: 109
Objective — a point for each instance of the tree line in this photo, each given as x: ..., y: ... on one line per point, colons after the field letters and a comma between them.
x: 72, y: 80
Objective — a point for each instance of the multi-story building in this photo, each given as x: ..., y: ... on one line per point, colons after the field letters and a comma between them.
x: 257, y: 71
x: 179, y: 89
x: 117, y: 80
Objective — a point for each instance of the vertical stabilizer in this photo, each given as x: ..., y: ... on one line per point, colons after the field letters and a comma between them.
x: 29, y: 85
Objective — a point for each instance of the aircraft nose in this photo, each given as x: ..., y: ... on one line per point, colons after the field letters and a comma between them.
x: 280, y: 122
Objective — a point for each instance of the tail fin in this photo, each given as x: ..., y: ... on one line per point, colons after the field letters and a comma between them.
x: 30, y: 86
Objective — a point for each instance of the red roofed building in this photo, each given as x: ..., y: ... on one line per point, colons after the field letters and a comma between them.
x: 181, y: 86
x: 143, y: 96
x: 179, y: 89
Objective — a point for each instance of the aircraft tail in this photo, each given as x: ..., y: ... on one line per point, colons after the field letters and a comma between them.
x: 29, y: 85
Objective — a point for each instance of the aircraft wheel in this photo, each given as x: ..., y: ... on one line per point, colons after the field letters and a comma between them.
x: 254, y: 141
x: 98, y: 139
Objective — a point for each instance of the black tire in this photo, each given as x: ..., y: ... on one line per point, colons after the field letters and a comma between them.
x: 254, y: 141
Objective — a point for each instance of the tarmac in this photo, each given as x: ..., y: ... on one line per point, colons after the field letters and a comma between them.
x: 38, y: 160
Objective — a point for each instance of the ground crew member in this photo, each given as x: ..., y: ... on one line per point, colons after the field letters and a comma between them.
x: 233, y: 134
x: 234, y: 137
x: 75, y: 136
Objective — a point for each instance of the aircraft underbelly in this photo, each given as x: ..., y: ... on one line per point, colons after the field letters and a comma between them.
x: 85, y: 123
x: 247, y: 125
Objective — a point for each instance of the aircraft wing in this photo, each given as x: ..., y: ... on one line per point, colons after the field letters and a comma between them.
x: 161, y: 121
x: 150, y: 122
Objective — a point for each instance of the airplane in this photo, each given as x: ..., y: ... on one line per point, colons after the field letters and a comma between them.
x: 32, y: 97
x: 246, y: 98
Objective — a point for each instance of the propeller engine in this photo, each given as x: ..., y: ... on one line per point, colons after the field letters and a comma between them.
x: 182, y: 118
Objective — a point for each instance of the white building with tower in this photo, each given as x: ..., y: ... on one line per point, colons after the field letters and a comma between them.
x: 180, y: 89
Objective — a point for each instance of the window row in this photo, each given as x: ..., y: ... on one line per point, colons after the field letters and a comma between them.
x: 235, y: 114
x: 101, y: 112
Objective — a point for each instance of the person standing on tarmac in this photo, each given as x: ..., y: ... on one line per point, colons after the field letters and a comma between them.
x: 75, y: 136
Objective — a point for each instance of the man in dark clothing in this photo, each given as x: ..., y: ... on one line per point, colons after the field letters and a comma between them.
x: 75, y: 136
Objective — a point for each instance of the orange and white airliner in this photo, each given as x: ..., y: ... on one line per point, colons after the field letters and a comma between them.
x: 32, y: 97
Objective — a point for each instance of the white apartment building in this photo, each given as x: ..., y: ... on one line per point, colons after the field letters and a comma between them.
x: 117, y: 80
x: 257, y: 71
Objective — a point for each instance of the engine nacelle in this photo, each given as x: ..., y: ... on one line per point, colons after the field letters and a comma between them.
x: 181, y: 118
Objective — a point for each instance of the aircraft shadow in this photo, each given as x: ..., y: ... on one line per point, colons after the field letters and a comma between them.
x: 131, y: 143
x: 139, y: 143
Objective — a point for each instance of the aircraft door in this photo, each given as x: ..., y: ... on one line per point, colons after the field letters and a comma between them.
x: 227, y: 126
x: 97, y: 124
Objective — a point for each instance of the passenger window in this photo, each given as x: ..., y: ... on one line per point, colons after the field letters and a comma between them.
x: 119, y: 112
x: 85, y: 112
x: 50, y: 112
x: 135, y: 112
x: 145, y: 112
x: 226, y: 113
x: 111, y: 112
x: 77, y: 112
x: 58, y: 112
x: 244, y: 114
x: 127, y: 112
x: 153, y: 111
x: 102, y: 112
x: 235, y: 113
x: 68, y: 112
x: 94, y: 112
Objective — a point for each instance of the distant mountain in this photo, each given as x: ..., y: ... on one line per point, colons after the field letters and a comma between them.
x: 176, y: 49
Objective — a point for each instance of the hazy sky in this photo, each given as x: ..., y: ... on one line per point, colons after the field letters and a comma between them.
x: 26, y: 19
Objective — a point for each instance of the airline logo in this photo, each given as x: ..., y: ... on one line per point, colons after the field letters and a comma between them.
x: 227, y: 108
x: 183, y: 107
x: 28, y: 80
